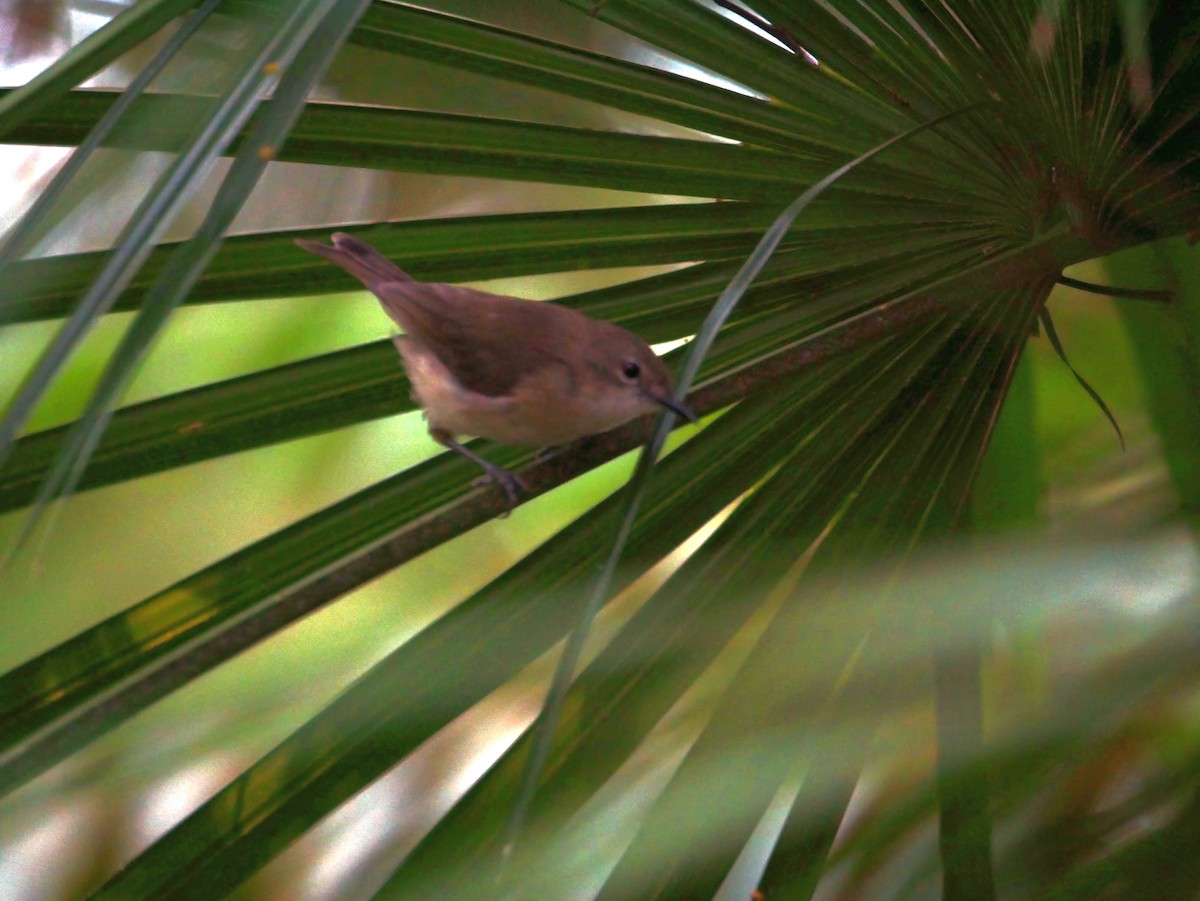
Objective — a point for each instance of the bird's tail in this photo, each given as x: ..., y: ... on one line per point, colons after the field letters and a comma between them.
x: 358, y: 258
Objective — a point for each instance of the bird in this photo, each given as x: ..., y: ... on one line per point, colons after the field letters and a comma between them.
x: 520, y: 372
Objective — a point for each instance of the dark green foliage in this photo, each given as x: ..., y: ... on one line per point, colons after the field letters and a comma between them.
x: 852, y: 397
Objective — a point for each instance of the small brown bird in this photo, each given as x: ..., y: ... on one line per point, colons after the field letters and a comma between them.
x: 516, y: 371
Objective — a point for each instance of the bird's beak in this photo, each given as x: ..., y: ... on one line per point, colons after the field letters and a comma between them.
x: 678, y: 407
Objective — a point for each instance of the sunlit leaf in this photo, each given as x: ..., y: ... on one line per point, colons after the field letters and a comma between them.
x: 776, y: 713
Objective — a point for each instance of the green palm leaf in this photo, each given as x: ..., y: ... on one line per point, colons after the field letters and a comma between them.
x: 851, y: 400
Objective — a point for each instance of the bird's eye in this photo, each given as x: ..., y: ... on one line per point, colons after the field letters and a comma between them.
x: 631, y: 370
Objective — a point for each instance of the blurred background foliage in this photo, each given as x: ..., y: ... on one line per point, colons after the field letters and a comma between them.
x: 851, y: 656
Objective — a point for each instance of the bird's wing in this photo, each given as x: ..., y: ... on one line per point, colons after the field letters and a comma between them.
x: 488, y: 342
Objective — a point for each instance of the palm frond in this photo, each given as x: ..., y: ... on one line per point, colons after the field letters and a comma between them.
x: 791, y: 704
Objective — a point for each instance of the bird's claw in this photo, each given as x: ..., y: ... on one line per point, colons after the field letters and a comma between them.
x: 512, y: 484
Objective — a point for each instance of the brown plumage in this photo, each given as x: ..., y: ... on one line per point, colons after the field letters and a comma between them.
x: 516, y: 371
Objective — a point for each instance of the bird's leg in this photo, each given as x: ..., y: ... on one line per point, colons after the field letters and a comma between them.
x: 511, y: 484
x: 549, y: 453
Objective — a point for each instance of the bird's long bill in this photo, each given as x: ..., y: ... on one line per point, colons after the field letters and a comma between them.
x: 678, y: 407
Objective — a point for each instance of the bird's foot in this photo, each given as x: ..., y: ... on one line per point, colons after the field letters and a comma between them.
x: 512, y: 484
x: 549, y: 453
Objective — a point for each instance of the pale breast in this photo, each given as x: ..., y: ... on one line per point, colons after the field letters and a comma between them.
x: 553, y: 408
